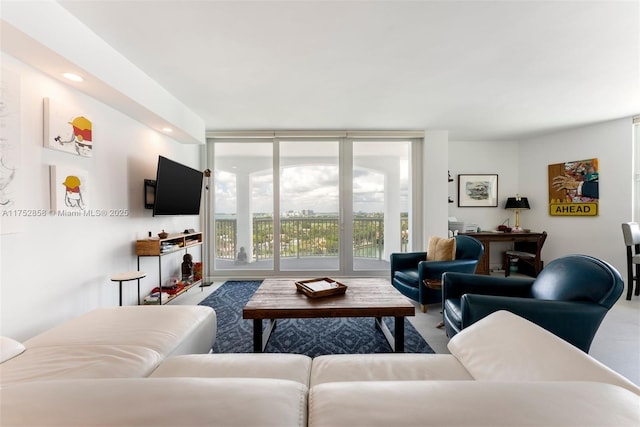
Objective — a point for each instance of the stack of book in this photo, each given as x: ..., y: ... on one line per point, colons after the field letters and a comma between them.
x: 154, y: 297
x: 168, y: 246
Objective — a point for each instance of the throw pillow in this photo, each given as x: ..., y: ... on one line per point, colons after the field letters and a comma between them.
x: 441, y: 249
x: 9, y: 348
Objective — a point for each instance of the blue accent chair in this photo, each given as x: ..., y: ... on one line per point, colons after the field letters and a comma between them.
x: 569, y: 298
x: 410, y: 269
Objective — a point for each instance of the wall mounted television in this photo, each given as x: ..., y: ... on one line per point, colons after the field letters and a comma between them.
x: 178, y: 189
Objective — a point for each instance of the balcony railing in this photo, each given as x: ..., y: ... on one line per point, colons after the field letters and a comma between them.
x: 306, y: 237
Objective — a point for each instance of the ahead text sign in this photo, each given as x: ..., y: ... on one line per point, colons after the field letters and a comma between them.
x: 573, y: 209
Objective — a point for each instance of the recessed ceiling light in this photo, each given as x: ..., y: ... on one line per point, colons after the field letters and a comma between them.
x: 73, y: 77
x: 167, y: 130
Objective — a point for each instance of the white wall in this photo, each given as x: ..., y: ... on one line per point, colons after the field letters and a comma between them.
x: 434, y: 185
x: 488, y: 157
x: 501, y: 158
x: 522, y: 168
x: 55, y: 268
x: 612, y: 143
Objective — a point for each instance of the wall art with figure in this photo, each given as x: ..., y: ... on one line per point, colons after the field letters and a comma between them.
x: 70, y: 190
x: 573, y: 188
x: 66, y: 128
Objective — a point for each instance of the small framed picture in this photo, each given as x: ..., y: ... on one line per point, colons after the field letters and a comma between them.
x: 475, y: 191
x: 67, y: 129
x: 69, y: 190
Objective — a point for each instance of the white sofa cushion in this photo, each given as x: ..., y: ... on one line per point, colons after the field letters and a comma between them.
x: 471, y: 403
x: 386, y: 366
x: 155, y: 402
x: 167, y: 329
x: 293, y: 367
x: 80, y: 361
x: 9, y: 348
x: 506, y: 347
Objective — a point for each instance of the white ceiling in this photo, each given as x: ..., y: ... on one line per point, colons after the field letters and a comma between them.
x: 483, y: 70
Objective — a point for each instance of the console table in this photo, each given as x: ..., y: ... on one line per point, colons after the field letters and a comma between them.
x: 488, y: 237
x: 156, y: 247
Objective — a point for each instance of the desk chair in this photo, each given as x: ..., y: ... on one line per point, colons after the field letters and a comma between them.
x: 529, y: 253
x: 631, y: 233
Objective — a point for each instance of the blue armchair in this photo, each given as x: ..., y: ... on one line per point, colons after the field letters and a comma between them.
x: 410, y: 269
x: 569, y: 298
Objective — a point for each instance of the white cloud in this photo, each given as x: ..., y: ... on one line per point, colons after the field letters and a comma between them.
x: 309, y: 187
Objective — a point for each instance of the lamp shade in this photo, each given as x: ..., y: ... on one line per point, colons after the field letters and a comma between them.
x: 517, y: 203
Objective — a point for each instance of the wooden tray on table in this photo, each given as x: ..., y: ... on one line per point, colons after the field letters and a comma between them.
x: 321, y: 287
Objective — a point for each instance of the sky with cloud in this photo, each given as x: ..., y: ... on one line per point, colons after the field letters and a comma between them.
x: 309, y: 175
x: 306, y: 188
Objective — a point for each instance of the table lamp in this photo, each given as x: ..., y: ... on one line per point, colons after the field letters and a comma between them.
x: 517, y: 203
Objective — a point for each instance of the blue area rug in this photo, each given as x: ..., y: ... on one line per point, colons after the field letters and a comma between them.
x: 313, y: 337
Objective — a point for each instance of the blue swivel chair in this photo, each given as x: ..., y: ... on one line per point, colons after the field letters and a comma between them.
x: 569, y: 298
x: 410, y: 269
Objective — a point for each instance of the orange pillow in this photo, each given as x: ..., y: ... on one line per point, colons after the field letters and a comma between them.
x: 441, y: 249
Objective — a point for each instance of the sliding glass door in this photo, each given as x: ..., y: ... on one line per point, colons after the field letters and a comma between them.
x: 243, y: 207
x: 380, y: 202
x: 309, y: 205
x: 340, y: 206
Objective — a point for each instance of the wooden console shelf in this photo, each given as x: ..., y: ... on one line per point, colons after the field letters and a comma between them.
x: 174, y: 242
x: 157, y: 247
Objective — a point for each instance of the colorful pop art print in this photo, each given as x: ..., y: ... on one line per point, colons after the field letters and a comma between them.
x: 67, y: 128
x: 574, y: 188
x: 70, y: 190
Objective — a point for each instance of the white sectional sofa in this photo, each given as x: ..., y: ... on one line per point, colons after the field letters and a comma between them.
x: 114, y: 342
x: 503, y: 370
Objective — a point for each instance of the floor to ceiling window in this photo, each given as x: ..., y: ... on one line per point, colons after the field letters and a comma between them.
x: 242, y: 206
x: 380, y: 201
x: 341, y: 205
x: 309, y: 205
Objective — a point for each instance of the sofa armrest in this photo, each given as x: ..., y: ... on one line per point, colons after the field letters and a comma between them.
x: 575, y: 322
x: 506, y: 347
x: 454, y: 285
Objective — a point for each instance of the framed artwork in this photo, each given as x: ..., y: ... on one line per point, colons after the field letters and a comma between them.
x: 11, y: 200
x: 66, y: 128
x: 574, y: 188
x: 475, y: 191
x: 70, y: 190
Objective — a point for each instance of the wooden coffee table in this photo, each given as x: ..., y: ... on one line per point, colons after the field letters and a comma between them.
x: 370, y: 297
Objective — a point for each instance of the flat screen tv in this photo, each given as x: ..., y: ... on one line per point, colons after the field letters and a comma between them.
x: 178, y: 189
